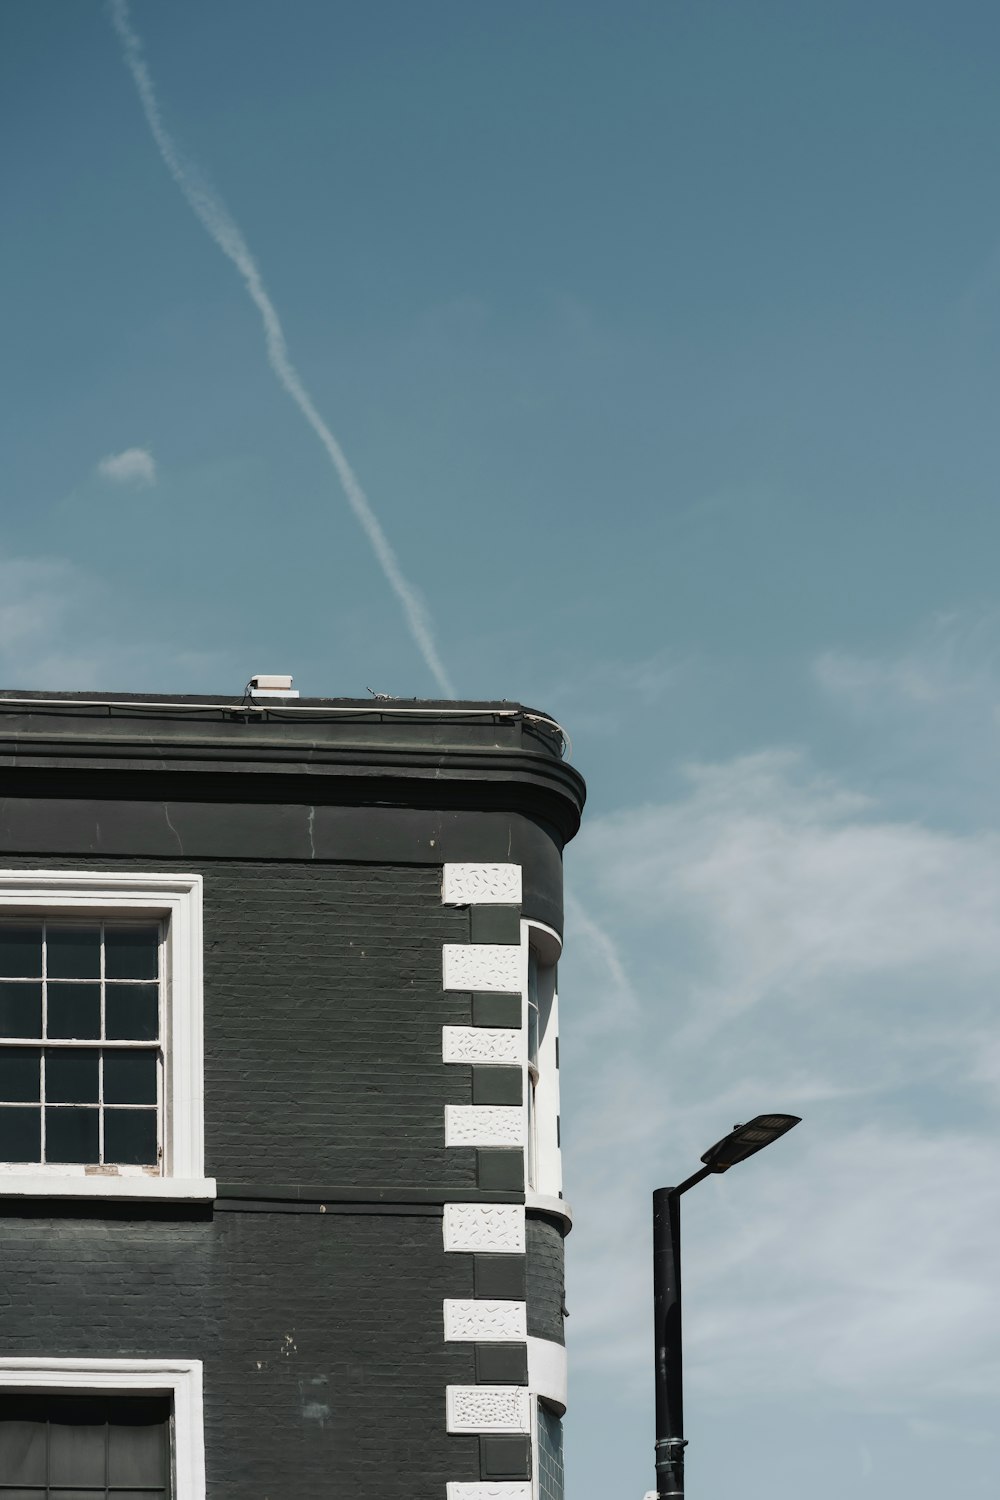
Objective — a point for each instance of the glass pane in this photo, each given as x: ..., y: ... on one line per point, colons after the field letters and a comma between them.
x: 20, y: 1134
x: 131, y: 1012
x: 21, y: 950
x: 22, y: 1452
x: 75, y: 1495
x: 77, y: 1453
x: 130, y: 1077
x: 71, y: 1076
x: 20, y: 1074
x: 74, y: 952
x: 137, y: 1454
x: 130, y: 1137
x: 131, y: 952
x: 74, y: 1010
x: 20, y: 1010
x: 71, y: 1135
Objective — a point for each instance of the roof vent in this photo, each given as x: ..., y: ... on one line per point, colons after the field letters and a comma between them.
x: 267, y: 685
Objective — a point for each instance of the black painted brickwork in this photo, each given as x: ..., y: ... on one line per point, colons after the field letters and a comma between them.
x: 546, y: 1288
x: 323, y: 1013
x: 325, y: 1365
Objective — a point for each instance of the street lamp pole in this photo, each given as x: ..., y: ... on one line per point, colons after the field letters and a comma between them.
x: 742, y: 1141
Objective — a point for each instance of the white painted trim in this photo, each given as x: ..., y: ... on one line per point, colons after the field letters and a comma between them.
x: 494, y: 1227
x: 544, y: 1203
x: 480, y: 1320
x: 486, y: 885
x: 179, y: 899
x: 547, y: 1371
x: 18, y: 1185
x: 543, y: 1157
x: 179, y: 1378
x: 488, y: 1408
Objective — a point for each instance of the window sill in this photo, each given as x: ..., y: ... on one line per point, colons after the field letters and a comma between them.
x: 198, y: 1189
x: 544, y: 1203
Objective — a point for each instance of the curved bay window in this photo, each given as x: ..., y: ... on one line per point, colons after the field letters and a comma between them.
x: 81, y: 1042
x: 544, y: 1174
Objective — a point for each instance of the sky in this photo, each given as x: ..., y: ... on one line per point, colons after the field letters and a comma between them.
x: 661, y: 342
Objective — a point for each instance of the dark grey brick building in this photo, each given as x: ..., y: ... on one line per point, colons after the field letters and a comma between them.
x: 280, y: 1196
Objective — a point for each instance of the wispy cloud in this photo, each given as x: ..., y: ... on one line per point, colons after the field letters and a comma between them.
x: 220, y: 225
x: 57, y: 632
x: 134, y: 466
x: 790, y: 945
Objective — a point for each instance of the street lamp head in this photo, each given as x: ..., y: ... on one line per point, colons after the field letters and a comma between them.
x: 745, y: 1140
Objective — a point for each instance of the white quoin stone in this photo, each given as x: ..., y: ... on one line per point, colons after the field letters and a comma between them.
x: 482, y: 1321
x: 484, y: 1125
x: 482, y: 966
x: 481, y: 1044
x: 494, y: 1227
x: 491, y: 1490
x: 488, y: 1408
x: 485, y: 885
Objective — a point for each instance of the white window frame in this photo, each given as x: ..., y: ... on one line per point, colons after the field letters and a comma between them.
x: 543, y: 1158
x: 176, y: 900
x: 180, y: 1379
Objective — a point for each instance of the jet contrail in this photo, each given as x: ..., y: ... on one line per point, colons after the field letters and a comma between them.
x: 227, y: 235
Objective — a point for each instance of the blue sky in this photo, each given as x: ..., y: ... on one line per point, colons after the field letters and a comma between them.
x: 665, y: 341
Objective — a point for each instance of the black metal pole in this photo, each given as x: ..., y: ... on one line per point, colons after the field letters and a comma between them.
x: 667, y: 1325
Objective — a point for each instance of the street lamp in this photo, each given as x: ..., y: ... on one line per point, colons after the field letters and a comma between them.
x: 741, y: 1142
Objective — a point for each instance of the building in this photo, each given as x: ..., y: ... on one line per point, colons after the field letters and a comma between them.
x: 280, y: 1192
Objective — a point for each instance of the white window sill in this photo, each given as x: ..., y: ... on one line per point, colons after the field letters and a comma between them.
x: 188, y: 1189
x: 544, y: 1203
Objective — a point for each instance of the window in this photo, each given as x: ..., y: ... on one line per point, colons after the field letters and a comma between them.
x: 64, y: 985
x: 544, y: 1174
x: 69, y: 1446
x: 101, y: 1035
x: 111, y: 1429
x: 549, y: 1449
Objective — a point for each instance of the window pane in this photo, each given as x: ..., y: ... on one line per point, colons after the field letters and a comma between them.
x: 74, y: 1010
x: 131, y: 952
x: 131, y: 1012
x: 137, y: 1454
x: 130, y: 1137
x: 71, y: 1076
x: 20, y: 1074
x: 22, y: 1452
x: 20, y: 1134
x: 71, y: 1135
x: 74, y: 952
x: 77, y: 1449
x: 20, y: 1010
x: 130, y: 1077
x: 21, y: 950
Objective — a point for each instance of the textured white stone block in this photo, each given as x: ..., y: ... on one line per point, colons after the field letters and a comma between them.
x: 496, y: 1227
x: 481, y: 1044
x: 484, y: 885
x: 484, y: 1125
x: 482, y: 966
x: 491, y: 1489
x: 480, y: 1320
x: 488, y: 1408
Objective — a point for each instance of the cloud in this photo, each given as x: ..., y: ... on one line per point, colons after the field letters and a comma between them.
x: 219, y: 223
x: 134, y: 466
x: 791, y: 945
x: 60, y: 630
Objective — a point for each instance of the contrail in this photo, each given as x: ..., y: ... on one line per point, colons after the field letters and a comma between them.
x: 224, y: 230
